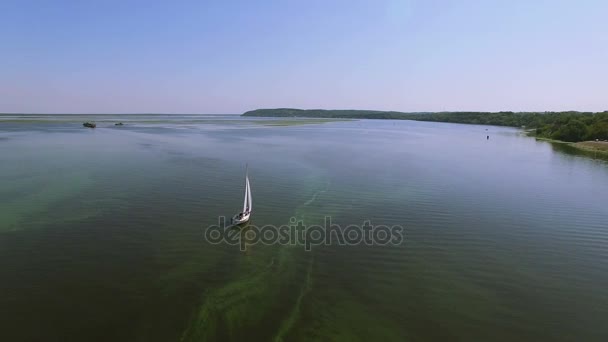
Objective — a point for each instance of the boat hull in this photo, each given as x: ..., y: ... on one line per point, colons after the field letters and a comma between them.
x: 240, y: 220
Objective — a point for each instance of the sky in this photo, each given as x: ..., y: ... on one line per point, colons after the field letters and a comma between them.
x: 231, y: 56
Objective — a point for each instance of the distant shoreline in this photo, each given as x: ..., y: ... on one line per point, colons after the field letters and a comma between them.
x: 584, y: 131
x: 571, y: 126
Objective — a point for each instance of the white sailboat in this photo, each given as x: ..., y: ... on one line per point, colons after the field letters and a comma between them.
x: 244, y: 215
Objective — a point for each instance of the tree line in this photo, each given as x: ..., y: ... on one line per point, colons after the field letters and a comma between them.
x: 569, y: 126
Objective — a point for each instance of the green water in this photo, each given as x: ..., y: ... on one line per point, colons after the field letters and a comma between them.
x: 101, y: 232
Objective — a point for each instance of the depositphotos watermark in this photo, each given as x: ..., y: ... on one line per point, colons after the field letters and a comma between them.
x: 296, y: 233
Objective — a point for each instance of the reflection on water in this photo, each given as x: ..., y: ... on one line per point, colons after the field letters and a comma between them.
x: 101, y: 231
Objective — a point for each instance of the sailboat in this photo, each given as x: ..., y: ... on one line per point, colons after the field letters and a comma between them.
x: 244, y: 215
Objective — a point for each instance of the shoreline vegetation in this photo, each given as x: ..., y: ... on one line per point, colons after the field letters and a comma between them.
x: 593, y: 146
x: 583, y: 130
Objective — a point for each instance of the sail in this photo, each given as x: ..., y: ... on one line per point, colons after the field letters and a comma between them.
x: 250, y: 205
x: 246, y: 197
x: 247, y: 200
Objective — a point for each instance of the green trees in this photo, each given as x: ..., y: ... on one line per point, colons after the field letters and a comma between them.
x: 573, y: 130
x: 574, y: 126
x: 598, y: 130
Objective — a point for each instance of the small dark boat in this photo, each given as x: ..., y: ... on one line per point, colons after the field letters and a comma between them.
x: 89, y: 124
x: 118, y: 124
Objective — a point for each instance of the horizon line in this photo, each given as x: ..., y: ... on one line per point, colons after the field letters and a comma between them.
x: 368, y: 110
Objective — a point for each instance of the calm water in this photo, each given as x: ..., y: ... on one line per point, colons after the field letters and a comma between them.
x: 101, y: 232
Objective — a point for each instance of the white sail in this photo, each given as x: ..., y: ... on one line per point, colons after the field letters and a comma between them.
x: 243, y: 216
x: 246, y: 196
x: 250, y: 203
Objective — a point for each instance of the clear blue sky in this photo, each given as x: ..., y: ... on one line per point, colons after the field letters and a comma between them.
x: 231, y: 56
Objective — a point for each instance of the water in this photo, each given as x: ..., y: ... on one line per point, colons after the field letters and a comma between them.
x: 101, y: 231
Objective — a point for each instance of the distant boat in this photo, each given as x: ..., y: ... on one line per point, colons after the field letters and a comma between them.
x: 244, y: 215
x: 89, y: 124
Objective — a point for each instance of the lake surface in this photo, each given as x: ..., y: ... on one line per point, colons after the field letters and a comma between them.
x: 102, y: 231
